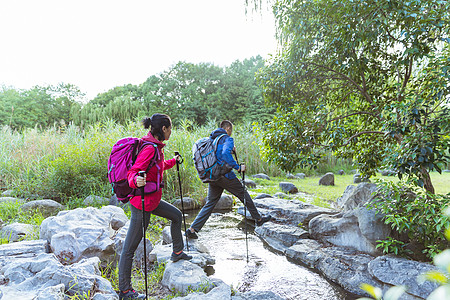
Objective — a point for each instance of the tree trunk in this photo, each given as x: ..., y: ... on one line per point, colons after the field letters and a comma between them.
x: 427, y: 184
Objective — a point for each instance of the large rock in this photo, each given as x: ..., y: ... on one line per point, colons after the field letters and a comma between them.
x: 293, y: 211
x: 261, y: 176
x: 400, y: 271
x: 23, y: 249
x: 225, y: 203
x: 219, y: 291
x: 287, y: 187
x: 184, y: 275
x: 300, y: 175
x: 188, y: 203
x: 250, y: 183
x: 356, y: 196
x: 32, y: 277
x: 93, y: 200
x: 327, y: 179
x: 256, y: 295
x: 17, y: 231
x: 46, y: 207
x: 262, y: 196
x: 82, y: 232
x: 11, y: 199
x: 281, y: 236
x: 344, y: 230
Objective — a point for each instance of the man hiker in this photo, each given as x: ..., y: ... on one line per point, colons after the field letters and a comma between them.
x: 229, y: 182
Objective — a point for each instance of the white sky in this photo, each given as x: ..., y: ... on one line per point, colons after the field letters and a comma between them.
x: 98, y: 44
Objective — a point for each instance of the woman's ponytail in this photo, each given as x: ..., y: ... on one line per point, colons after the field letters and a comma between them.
x: 156, y: 122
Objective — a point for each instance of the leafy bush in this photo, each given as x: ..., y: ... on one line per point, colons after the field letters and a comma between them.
x: 410, y: 210
x: 442, y: 277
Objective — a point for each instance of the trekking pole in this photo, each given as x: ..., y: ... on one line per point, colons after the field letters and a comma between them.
x: 181, y: 195
x: 245, y: 202
x: 142, y: 173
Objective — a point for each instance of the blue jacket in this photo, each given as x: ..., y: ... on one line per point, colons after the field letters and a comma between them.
x: 224, y: 151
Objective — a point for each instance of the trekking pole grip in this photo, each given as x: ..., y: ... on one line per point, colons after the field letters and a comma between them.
x: 182, y: 159
x: 141, y: 174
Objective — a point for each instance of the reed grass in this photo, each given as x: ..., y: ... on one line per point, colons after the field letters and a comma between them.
x: 65, y: 163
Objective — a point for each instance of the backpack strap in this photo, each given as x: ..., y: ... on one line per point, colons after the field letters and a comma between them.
x: 140, y: 145
x: 216, y: 142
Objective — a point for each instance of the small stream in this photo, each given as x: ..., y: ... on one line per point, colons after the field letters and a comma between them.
x: 224, y: 236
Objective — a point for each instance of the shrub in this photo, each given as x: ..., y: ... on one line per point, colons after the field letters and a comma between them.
x: 410, y: 210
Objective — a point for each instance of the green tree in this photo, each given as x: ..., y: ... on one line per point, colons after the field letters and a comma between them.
x: 364, y: 79
x: 39, y: 106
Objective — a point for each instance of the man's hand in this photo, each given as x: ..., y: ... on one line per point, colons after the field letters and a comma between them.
x: 241, y: 168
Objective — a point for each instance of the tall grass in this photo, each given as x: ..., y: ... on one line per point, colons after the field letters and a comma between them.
x: 64, y: 163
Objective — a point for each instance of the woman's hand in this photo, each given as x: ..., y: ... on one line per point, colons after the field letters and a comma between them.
x: 140, y: 181
x: 178, y: 158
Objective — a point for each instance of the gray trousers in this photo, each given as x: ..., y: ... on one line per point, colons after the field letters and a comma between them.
x: 134, y: 236
x: 215, y: 190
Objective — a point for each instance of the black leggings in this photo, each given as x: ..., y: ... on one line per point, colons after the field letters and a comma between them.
x: 134, y: 236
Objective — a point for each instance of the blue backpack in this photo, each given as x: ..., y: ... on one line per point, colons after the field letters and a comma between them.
x: 205, y: 159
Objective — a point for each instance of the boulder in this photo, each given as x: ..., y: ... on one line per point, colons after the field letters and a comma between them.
x: 256, y: 295
x: 184, y: 275
x: 282, y: 236
x: 219, y: 290
x: 356, y: 196
x: 225, y: 203
x: 327, y: 179
x: 95, y: 201
x: 287, y: 187
x: 11, y: 199
x: 82, y: 232
x: 290, y: 176
x: 18, y: 231
x: 401, y: 271
x: 261, y: 176
x: 46, y: 207
x: 262, y: 196
x: 43, y: 277
x: 358, y: 179
x: 23, y: 249
x: 359, y: 230
x: 188, y: 203
x: 281, y: 195
x: 347, y: 192
x: 294, y: 212
x: 300, y: 175
x: 250, y: 184
x: 7, y: 193
x: 341, y: 172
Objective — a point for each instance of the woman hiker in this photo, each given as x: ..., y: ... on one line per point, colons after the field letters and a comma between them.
x: 229, y: 182
x: 160, y: 130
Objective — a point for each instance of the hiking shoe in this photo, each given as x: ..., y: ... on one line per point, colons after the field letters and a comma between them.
x: 263, y: 220
x: 177, y: 257
x: 191, y: 235
x: 131, y: 294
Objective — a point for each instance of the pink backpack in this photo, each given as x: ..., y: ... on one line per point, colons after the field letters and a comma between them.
x: 123, y: 156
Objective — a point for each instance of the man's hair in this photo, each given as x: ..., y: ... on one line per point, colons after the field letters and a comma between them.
x: 226, y: 124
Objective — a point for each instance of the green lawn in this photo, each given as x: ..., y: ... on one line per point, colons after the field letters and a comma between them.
x: 321, y: 195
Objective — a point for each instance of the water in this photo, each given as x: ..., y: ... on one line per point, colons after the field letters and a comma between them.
x: 224, y: 235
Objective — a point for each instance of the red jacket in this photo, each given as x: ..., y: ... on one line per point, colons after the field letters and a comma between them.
x: 142, y: 161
